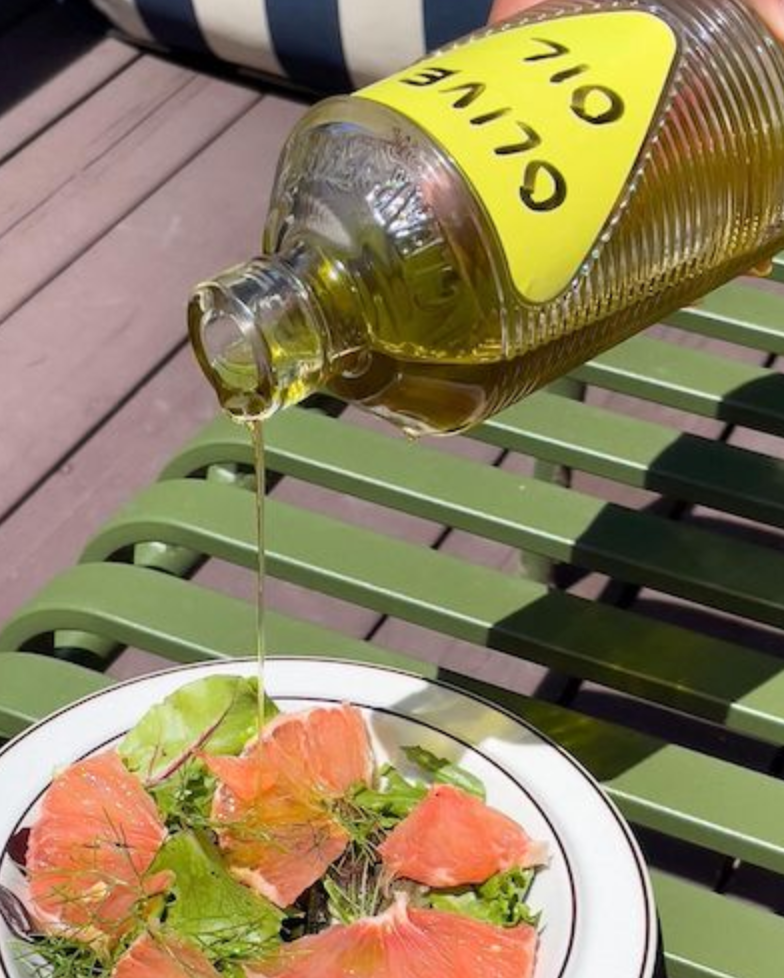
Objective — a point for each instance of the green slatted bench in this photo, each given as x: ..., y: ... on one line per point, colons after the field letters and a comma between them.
x: 132, y: 589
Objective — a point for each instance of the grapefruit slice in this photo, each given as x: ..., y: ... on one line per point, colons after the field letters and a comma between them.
x: 90, y: 849
x: 275, y: 803
x: 452, y: 838
x: 163, y: 957
x: 407, y: 943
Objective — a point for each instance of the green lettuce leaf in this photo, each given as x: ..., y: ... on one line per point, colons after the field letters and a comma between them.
x: 217, y: 713
x: 393, y: 799
x: 226, y: 919
x: 396, y: 796
x: 445, y: 772
x: 184, y: 800
x: 500, y: 901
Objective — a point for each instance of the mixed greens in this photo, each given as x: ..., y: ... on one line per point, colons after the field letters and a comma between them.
x: 204, y: 903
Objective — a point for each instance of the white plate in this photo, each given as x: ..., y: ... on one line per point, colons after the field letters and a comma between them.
x: 595, y: 896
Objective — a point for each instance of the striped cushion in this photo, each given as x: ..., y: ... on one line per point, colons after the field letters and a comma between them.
x: 324, y: 45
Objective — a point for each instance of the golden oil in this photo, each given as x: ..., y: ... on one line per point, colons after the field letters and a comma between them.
x: 449, y: 240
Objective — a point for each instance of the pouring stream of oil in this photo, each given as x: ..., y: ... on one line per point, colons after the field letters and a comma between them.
x: 257, y: 438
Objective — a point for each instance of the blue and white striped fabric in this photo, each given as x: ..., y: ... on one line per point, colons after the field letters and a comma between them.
x: 323, y: 45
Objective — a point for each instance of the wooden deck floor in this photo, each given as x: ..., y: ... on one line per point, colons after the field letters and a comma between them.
x: 124, y: 179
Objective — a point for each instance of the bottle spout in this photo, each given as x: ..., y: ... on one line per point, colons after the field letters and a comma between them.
x: 258, y: 338
x: 221, y: 333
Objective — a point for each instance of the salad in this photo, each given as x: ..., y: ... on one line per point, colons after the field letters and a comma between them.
x: 203, y: 846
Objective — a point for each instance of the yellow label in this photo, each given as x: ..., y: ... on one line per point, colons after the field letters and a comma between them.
x: 546, y: 121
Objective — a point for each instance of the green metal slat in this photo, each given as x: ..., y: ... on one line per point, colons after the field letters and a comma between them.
x: 642, y: 454
x: 777, y: 273
x: 705, y: 935
x: 738, y: 314
x: 661, y: 786
x: 178, y: 620
x: 688, y: 671
x: 531, y: 515
x: 712, y: 936
x: 672, y: 789
x: 221, y: 442
x: 691, y: 380
x: 564, y: 432
x: 32, y: 686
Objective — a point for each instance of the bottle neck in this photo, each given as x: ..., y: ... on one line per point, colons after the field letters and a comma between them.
x: 262, y: 337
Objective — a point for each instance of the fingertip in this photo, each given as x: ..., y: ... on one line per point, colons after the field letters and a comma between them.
x: 502, y: 9
x: 772, y: 12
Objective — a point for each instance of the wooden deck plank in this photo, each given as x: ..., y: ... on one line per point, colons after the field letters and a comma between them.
x: 453, y: 445
x: 47, y: 533
x: 358, y: 512
x: 68, y: 187
x: 758, y: 441
x: 136, y: 662
x: 83, y: 343
x: 48, y: 64
x: 289, y: 599
x: 506, y: 671
x: 649, y: 411
x: 85, y: 135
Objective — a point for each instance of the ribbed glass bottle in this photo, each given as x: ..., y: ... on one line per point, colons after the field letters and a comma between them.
x: 396, y: 273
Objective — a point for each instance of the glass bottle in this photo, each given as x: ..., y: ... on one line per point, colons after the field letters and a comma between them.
x: 446, y: 241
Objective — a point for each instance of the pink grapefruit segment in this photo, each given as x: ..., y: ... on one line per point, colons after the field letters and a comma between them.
x: 90, y: 850
x: 407, y: 943
x: 163, y: 957
x: 452, y: 838
x: 274, y: 803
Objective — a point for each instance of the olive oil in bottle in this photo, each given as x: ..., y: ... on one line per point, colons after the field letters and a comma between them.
x: 446, y: 241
